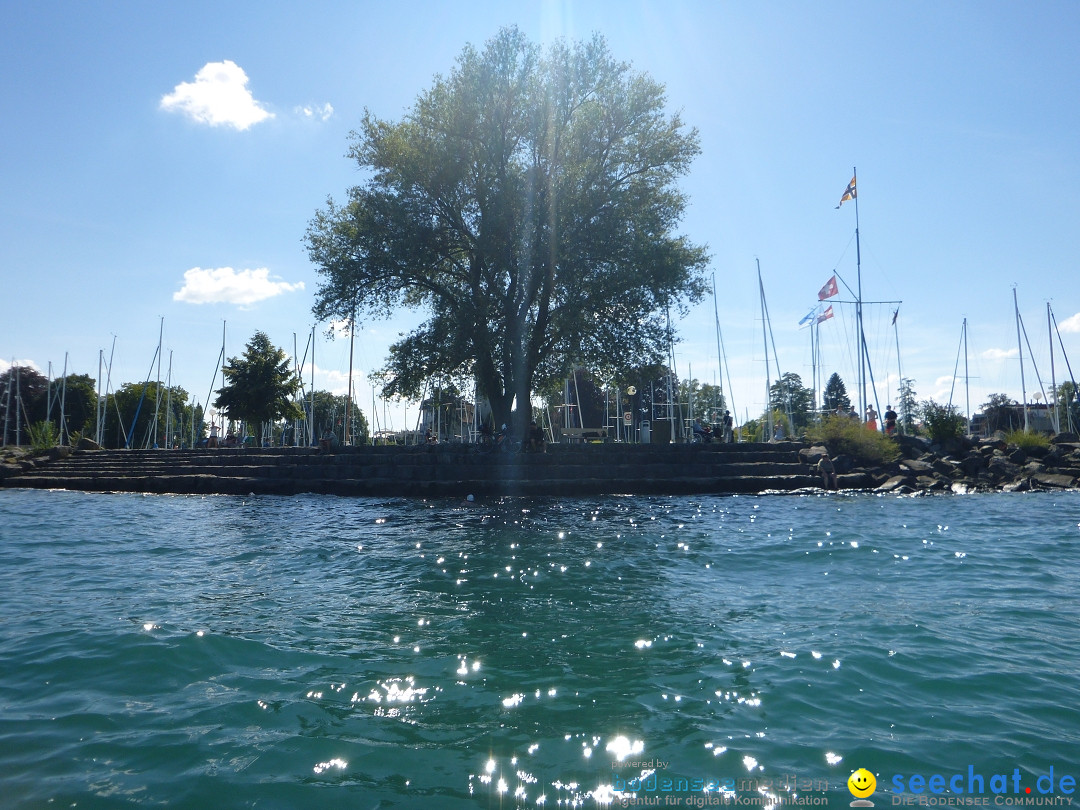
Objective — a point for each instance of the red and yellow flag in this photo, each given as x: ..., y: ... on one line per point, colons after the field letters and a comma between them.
x: 849, y: 193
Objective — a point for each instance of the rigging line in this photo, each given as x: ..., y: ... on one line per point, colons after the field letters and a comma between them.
x: 956, y: 366
x: 844, y: 252
x: 1063, y: 352
x: 142, y: 398
x: 1031, y: 354
x: 1068, y: 408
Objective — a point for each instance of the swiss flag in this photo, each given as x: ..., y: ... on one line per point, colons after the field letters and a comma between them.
x: 829, y: 290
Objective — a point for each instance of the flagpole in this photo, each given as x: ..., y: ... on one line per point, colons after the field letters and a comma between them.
x: 858, y: 303
x: 767, y: 434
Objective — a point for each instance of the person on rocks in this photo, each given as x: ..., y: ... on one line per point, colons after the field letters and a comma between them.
x: 890, y: 421
x: 871, y: 418
x: 827, y: 471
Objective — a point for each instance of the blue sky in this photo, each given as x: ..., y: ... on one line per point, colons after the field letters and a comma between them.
x: 163, y: 160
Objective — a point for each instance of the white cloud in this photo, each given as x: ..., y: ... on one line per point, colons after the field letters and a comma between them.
x: 323, y: 113
x: 1071, y: 324
x: 225, y: 285
x: 1000, y: 354
x: 5, y: 365
x: 218, y: 96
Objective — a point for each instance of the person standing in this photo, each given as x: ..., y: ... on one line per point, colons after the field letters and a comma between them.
x: 871, y: 418
x: 890, y: 421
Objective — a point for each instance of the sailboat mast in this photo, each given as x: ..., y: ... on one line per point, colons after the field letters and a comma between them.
x: 858, y: 302
x: 311, y: 420
x: 967, y: 388
x: 346, y: 433
x: 157, y: 382
x: 168, y: 404
x: 719, y: 350
x: 1020, y: 345
x: 899, y: 367
x: 1053, y: 378
x: 767, y: 434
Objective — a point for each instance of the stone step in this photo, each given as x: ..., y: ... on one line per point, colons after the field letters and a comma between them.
x: 451, y: 469
x: 239, y: 485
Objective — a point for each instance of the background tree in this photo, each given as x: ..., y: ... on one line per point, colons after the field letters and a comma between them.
x: 1065, y: 401
x: 528, y: 205
x: 907, y: 407
x: 32, y: 387
x: 1001, y: 413
x: 943, y: 423
x: 708, y: 400
x: 835, y: 395
x: 788, y: 396
x: 330, y: 412
x: 259, y: 386
x: 77, y: 395
x: 123, y: 408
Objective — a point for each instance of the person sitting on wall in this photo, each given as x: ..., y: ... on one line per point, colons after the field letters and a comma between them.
x: 700, y: 433
x: 535, y: 441
x: 430, y: 438
x: 328, y: 441
x: 827, y: 471
x: 779, y: 434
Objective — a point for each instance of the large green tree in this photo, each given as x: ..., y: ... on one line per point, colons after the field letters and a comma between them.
x: 527, y: 205
x: 790, y: 397
x: 259, y: 386
x: 835, y: 394
x: 129, y: 416
x: 1002, y: 412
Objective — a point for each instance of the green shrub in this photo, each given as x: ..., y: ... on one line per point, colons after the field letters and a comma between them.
x: 943, y: 423
x: 842, y: 434
x: 42, y: 435
x: 1027, y: 440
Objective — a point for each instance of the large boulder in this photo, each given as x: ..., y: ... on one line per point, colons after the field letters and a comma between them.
x: 1001, y: 468
x: 917, y: 465
x: 1053, y: 480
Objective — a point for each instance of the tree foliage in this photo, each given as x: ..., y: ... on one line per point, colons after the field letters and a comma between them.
x: 835, y: 395
x: 908, y: 406
x: 527, y: 206
x: 788, y: 395
x: 41, y: 401
x: 130, y: 414
x: 707, y: 399
x: 259, y: 385
x: 943, y: 423
x: 330, y: 415
x: 1067, y: 406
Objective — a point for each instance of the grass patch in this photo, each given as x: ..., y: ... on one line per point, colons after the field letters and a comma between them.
x: 841, y: 434
x: 42, y: 435
x: 1027, y: 440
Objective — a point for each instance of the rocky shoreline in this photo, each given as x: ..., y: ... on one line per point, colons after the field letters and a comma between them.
x: 582, y: 469
x: 967, y: 465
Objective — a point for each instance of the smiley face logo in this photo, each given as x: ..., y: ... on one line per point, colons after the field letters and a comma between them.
x: 862, y: 783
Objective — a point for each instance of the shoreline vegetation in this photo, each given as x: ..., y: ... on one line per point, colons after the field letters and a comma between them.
x: 960, y: 465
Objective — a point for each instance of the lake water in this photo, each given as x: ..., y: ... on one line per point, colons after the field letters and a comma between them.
x: 317, y: 651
